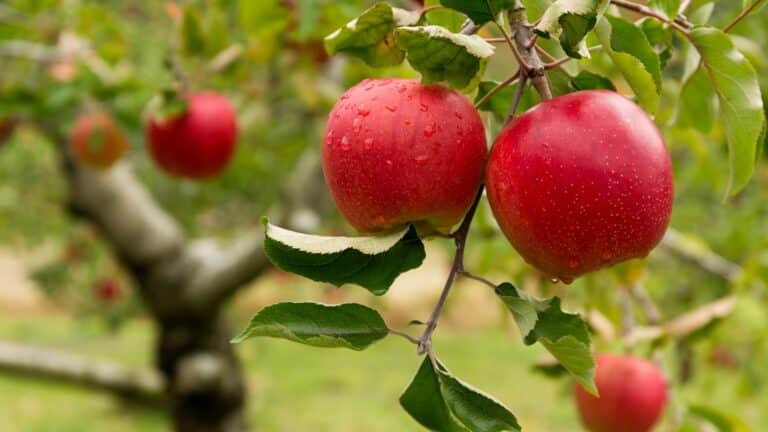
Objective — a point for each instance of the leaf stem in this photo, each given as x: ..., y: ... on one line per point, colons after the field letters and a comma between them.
x: 480, y: 279
x: 404, y: 335
x: 742, y: 15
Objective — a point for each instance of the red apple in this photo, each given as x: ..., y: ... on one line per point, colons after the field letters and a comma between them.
x: 198, y: 143
x: 398, y: 152
x: 580, y: 182
x: 632, y: 391
x: 108, y: 290
x: 97, y: 141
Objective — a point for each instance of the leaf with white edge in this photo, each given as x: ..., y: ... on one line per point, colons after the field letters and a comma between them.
x: 564, y: 335
x: 667, y: 7
x: 570, y: 21
x: 444, y: 56
x: 479, y: 11
x: 371, y: 262
x: 634, y: 71
x: 741, y: 104
x: 586, y: 80
x: 348, y: 325
x: 721, y: 421
x: 441, y: 402
x: 371, y: 35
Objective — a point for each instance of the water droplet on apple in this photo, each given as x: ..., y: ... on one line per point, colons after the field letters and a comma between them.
x: 390, y: 108
x: 363, y: 111
x: 368, y: 143
x: 606, y: 255
x: 344, y: 143
x: 421, y: 159
x: 554, y: 280
x: 356, y: 125
x: 344, y: 97
x: 458, y: 115
x: 567, y: 280
x: 573, y: 263
x: 402, y: 89
x: 430, y: 130
x: 389, y: 164
x: 423, y: 107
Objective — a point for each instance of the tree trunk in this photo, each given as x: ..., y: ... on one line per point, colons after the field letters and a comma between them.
x: 205, y: 382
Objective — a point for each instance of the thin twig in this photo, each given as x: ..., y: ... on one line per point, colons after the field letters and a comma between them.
x: 640, y: 295
x: 677, y: 23
x: 516, y: 100
x: 497, y: 89
x: 460, y: 237
x: 742, y: 15
x: 480, y: 279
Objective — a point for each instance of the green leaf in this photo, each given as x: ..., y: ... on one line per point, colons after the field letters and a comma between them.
x: 371, y: 262
x: 570, y: 21
x: 697, y: 103
x: 630, y: 39
x: 564, y: 335
x: 749, y: 3
x: 441, y: 402
x: 423, y: 400
x: 172, y: 105
x: 642, y: 78
x: 479, y: 11
x: 741, y: 104
x: 500, y: 102
x: 349, y: 325
x: 586, y: 80
x: 722, y: 421
x: 667, y: 7
x: 370, y: 36
x: 444, y: 56
x: 192, y: 34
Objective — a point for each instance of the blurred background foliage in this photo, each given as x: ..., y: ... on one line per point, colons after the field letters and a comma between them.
x: 283, y: 84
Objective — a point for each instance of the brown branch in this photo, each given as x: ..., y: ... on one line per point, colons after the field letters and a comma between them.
x: 522, y: 34
x: 678, y: 23
x: 742, y: 15
x: 675, y: 243
x: 143, y: 386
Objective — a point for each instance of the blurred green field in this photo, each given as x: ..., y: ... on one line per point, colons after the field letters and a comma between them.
x: 297, y: 388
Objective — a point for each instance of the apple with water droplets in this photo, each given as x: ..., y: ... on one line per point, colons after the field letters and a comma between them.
x: 97, y: 142
x: 197, y: 143
x: 633, y: 393
x: 397, y: 152
x: 580, y: 182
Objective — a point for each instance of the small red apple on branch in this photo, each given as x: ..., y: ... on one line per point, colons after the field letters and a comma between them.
x: 633, y: 393
x: 108, y: 291
x: 198, y: 142
x: 97, y: 141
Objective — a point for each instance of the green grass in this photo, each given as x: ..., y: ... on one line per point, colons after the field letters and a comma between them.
x: 298, y: 388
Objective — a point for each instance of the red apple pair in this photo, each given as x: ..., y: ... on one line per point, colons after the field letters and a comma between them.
x: 199, y: 142
x: 632, y: 391
x: 579, y: 182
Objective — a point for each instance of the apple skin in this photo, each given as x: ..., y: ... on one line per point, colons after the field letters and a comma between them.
x: 580, y: 182
x: 398, y: 152
x: 97, y: 141
x: 199, y: 143
x: 633, y: 393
